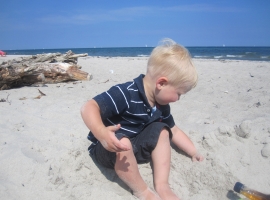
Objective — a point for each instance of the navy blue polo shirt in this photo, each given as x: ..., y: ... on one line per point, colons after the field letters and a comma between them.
x: 126, y: 104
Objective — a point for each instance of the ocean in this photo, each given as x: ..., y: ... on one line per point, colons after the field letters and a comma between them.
x: 231, y: 53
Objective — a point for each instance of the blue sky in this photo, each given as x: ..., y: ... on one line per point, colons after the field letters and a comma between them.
x: 34, y: 24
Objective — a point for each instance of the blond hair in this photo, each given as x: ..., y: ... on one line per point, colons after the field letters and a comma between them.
x: 174, y: 62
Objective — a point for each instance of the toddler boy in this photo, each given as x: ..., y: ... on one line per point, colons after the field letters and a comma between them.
x: 131, y: 123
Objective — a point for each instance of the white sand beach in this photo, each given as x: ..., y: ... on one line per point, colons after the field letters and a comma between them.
x: 43, y: 142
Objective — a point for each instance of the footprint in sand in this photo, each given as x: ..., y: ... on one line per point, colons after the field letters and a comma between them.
x: 33, y: 154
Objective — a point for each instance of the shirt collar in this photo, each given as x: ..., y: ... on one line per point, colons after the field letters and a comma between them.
x: 139, y: 82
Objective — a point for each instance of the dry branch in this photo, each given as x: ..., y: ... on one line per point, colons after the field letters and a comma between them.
x: 41, y: 68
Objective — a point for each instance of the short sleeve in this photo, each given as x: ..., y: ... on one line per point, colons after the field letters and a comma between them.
x: 113, y: 102
x: 167, y: 117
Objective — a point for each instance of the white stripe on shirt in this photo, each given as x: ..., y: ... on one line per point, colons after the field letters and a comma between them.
x: 136, y: 114
x: 123, y: 95
x: 122, y: 127
x: 133, y: 90
x: 113, y: 102
x: 130, y: 85
x: 167, y: 117
x: 129, y: 121
x: 136, y: 101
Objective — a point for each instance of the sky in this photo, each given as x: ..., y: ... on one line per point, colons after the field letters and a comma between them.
x: 51, y: 24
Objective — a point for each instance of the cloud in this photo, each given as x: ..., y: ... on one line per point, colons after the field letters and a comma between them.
x: 202, y: 8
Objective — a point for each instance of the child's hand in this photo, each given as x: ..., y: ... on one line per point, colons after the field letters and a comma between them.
x: 197, y: 157
x: 110, y: 142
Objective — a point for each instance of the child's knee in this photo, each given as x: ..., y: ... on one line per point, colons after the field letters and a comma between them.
x: 126, y: 141
x: 164, y: 133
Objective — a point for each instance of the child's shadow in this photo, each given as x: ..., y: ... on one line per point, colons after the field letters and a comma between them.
x: 111, y: 175
x: 232, y: 195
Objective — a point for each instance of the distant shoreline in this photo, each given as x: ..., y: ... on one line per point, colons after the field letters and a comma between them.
x: 10, y: 57
x: 216, y: 53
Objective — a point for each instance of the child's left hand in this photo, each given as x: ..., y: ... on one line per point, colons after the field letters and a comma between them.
x: 197, y: 157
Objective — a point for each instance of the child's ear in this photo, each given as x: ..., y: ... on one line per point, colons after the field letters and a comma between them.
x: 162, y: 81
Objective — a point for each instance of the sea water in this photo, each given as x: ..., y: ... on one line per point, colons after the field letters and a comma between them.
x: 232, y: 53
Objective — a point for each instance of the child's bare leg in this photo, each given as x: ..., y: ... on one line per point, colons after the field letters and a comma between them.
x: 161, y: 157
x: 127, y: 169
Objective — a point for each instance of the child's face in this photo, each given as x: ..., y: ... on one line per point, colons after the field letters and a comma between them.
x: 167, y: 93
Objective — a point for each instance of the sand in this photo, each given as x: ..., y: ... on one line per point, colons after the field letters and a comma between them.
x: 43, y: 144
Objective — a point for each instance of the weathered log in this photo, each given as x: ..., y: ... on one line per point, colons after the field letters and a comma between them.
x: 41, y: 69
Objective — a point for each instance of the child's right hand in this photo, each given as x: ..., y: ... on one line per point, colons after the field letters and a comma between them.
x: 110, y: 142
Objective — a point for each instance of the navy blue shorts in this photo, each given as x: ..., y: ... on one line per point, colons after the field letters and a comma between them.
x: 143, y: 145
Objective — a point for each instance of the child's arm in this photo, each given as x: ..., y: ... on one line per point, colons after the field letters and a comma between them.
x: 182, y: 141
x: 90, y: 112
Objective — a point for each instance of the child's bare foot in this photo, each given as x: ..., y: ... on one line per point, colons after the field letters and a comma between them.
x: 165, y: 192
x: 147, y: 194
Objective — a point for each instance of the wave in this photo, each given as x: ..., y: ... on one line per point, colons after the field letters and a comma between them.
x: 202, y: 57
x: 142, y: 55
x: 218, y: 57
x: 234, y: 56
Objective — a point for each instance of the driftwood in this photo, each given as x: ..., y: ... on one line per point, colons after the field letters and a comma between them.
x: 41, y: 68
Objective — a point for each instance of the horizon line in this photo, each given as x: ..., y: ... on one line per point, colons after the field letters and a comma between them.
x: 221, y: 46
